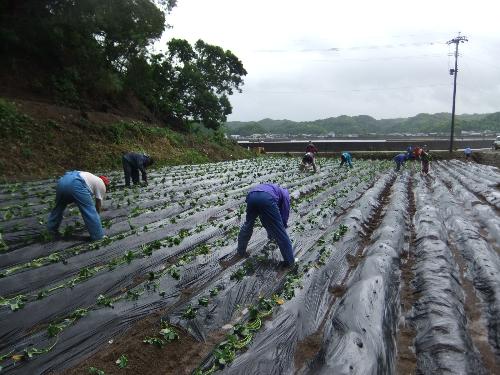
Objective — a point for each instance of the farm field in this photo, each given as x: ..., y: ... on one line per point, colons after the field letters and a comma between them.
x: 397, y: 273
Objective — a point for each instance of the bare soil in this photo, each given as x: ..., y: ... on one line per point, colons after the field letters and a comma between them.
x: 308, y: 348
x: 406, y: 358
x: 176, y: 358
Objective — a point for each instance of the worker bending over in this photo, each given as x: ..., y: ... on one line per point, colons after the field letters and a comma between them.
x: 468, y: 154
x: 400, y: 160
x: 311, y: 148
x: 80, y: 188
x: 271, y: 203
x: 346, y: 158
x: 308, y: 160
x: 132, y: 164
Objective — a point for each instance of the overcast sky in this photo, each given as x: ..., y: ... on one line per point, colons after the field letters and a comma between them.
x: 314, y: 59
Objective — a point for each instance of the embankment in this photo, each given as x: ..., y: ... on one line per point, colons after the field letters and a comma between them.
x: 40, y: 140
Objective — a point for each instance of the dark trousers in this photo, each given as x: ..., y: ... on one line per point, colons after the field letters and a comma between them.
x: 425, y: 166
x: 345, y: 161
x: 130, y: 171
x: 262, y: 205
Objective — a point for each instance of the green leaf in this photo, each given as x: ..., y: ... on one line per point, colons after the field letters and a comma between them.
x: 154, y: 341
x: 122, y: 361
x: 96, y: 371
x: 54, y: 329
x: 104, y: 301
x: 203, y: 301
x: 15, y: 303
x: 189, y: 313
x: 169, y: 334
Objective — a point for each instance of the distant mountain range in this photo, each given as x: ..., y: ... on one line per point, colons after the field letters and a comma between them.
x: 342, y: 125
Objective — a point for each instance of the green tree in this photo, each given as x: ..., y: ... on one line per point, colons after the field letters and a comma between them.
x: 193, y: 84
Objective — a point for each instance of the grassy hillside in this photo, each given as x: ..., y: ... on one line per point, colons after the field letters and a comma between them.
x: 40, y: 140
x: 423, y: 122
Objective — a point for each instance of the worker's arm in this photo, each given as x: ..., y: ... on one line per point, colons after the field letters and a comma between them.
x: 144, y: 176
x: 142, y: 168
x: 98, y: 205
x: 285, y: 208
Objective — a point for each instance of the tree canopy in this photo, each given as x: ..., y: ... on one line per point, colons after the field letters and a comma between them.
x: 81, y: 50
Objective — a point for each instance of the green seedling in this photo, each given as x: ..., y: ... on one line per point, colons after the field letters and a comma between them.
x: 133, y: 295
x: 41, y: 294
x: 104, y: 301
x: 54, y: 329
x: 174, y: 272
x: 129, y: 256
x: 3, y: 244
x: 15, y: 303
x: 96, y: 371
x: 189, y: 313
x: 154, y: 341
x: 203, y: 301
x: 168, y: 333
x: 136, y: 211
x: 239, y: 274
x: 122, y: 361
x: 107, y: 223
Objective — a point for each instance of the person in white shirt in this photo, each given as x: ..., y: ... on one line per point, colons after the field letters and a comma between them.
x: 80, y: 188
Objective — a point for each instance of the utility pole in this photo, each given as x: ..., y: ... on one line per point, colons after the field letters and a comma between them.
x: 459, y: 39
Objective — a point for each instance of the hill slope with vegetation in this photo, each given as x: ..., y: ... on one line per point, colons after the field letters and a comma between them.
x: 341, y: 125
x: 40, y: 140
x: 80, y: 84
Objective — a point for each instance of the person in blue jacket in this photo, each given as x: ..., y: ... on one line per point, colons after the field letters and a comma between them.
x: 400, y: 159
x: 80, y: 188
x: 345, y: 158
x: 132, y: 164
x: 271, y: 203
x: 468, y: 153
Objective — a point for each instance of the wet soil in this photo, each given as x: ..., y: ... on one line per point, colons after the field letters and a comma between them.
x: 179, y: 357
x: 406, y: 361
x: 307, y: 349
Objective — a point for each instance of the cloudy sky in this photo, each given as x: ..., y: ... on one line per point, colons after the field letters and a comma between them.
x: 315, y: 59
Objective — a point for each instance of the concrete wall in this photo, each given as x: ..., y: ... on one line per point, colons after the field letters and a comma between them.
x: 374, y: 145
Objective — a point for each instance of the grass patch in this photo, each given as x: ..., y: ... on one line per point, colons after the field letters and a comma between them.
x: 38, y: 147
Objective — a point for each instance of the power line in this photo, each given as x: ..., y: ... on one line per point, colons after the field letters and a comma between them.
x: 353, y: 48
x: 369, y: 59
x: 327, y: 91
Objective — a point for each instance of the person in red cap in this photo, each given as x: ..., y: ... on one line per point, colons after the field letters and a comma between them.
x: 80, y: 188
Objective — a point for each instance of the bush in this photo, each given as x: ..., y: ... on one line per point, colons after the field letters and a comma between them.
x: 12, y: 122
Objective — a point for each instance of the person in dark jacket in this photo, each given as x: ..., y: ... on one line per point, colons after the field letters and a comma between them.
x: 311, y: 148
x: 132, y: 164
x: 400, y: 159
x: 307, y: 160
x: 271, y: 203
